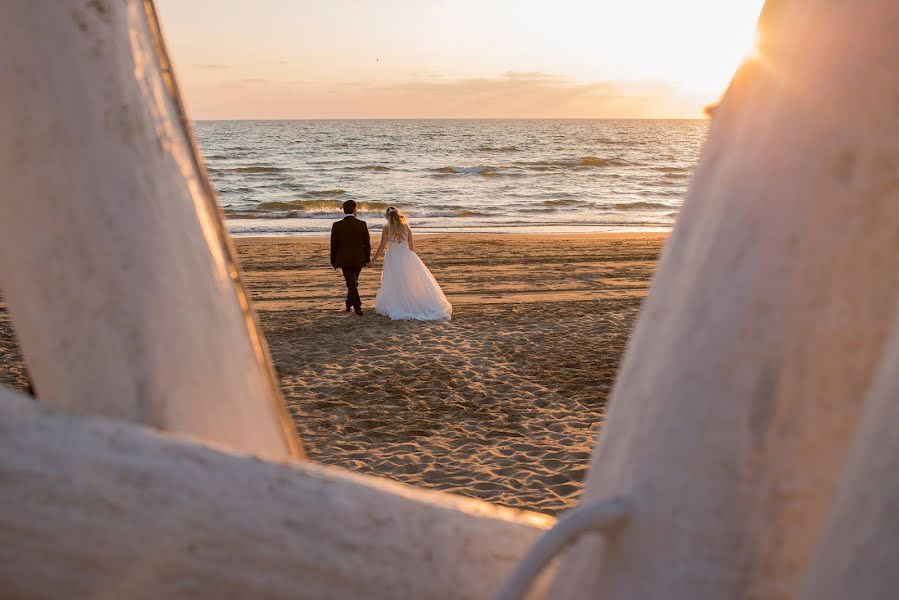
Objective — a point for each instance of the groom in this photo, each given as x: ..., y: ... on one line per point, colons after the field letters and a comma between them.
x: 350, y: 251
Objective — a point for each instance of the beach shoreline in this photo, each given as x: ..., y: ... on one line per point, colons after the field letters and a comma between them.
x: 502, y: 403
x: 314, y: 227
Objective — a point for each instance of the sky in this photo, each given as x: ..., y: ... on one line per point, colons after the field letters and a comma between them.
x: 322, y: 59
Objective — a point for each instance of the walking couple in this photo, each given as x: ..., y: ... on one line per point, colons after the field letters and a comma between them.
x: 408, y: 290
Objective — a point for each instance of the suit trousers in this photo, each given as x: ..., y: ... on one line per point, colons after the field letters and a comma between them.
x: 351, y: 275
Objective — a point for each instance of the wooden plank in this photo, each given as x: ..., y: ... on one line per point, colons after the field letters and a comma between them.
x: 92, y: 507
x: 745, y: 377
x: 120, y: 279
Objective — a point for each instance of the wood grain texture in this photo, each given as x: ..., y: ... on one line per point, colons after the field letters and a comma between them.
x: 119, y: 277
x: 97, y: 508
x: 744, y: 381
x: 856, y: 554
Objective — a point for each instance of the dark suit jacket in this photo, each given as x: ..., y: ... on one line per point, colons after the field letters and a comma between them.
x: 350, y: 243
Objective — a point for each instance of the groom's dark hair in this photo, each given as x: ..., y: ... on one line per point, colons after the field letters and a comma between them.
x: 349, y: 206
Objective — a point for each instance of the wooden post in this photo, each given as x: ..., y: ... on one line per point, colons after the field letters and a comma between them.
x: 92, y: 507
x: 119, y: 276
x: 743, y: 383
x: 856, y: 554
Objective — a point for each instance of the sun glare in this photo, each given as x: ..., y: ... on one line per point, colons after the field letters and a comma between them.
x: 587, y: 58
x: 717, y: 54
x: 694, y: 45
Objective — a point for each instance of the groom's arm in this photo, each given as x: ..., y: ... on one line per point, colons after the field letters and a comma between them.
x: 334, y: 244
x: 366, y: 246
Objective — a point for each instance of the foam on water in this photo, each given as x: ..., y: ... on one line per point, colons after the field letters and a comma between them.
x: 290, y: 177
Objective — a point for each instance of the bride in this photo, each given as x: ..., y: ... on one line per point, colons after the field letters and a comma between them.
x: 408, y: 290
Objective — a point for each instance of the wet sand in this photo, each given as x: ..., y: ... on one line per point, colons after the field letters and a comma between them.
x: 502, y: 403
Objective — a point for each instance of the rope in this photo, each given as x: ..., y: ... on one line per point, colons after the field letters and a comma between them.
x: 602, y: 516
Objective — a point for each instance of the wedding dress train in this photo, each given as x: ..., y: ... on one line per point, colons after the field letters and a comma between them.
x: 408, y: 290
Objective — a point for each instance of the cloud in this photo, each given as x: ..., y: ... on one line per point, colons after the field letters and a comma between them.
x: 513, y: 94
x: 530, y: 75
x: 518, y: 94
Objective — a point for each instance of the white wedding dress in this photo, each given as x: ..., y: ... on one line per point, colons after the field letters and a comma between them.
x: 408, y: 290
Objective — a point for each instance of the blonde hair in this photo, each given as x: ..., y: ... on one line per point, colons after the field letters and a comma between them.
x: 397, y: 224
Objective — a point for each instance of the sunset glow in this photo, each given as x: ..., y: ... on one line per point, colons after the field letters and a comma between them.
x: 465, y: 59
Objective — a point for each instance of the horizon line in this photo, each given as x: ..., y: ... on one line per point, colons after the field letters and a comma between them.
x: 457, y: 119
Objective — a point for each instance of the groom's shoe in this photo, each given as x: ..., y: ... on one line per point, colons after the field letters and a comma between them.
x: 348, y: 307
x: 358, y: 311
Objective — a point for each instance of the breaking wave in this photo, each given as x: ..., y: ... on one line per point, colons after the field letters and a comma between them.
x: 639, y: 205
x: 320, y: 206
x: 373, y: 168
x: 330, y: 209
x: 563, y: 202
x: 326, y: 193
x: 479, y: 170
x: 256, y: 169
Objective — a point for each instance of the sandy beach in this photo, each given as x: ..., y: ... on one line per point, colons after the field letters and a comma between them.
x: 503, y: 403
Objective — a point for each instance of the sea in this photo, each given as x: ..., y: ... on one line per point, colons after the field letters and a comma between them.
x: 528, y: 176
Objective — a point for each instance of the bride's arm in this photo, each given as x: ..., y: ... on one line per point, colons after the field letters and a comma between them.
x: 380, y: 250
x: 409, y: 234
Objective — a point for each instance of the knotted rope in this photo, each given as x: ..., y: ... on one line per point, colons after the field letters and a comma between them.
x: 602, y: 516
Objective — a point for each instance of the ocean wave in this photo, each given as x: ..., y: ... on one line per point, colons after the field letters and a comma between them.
x: 562, y: 202
x: 226, y: 190
x: 673, y: 170
x: 256, y: 169
x: 639, y: 205
x: 584, y: 162
x: 325, y: 193
x: 319, y: 206
x: 613, y: 142
x: 324, y: 209
x: 373, y: 168
x: 594, y: 161
x: 292, y: 228
x: 499, y: 149
x: 461, y: 213
x: 242, y: 214
x: 538, y: 209
x: 479, y: 170
x: 667, y: 193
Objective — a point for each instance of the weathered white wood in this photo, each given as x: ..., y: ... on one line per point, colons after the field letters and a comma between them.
x: 743, y: 382
x: 92, y: 508
x: 120, y: 280
x: 856, y: 555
